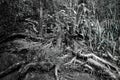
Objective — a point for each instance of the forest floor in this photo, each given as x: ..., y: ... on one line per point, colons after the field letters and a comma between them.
x: 24, y: 59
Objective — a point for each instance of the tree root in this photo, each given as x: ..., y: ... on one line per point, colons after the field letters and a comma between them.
x: 94, y: 63
x: 23, y: 68
x: 11, y: 69
x: 56, y: 72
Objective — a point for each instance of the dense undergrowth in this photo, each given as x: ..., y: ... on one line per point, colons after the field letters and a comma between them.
x: 46, y: 35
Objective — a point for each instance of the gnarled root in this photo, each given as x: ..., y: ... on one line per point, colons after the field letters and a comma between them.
x: 93, y: 62
x: 11, y: 69
x: 56, y: 72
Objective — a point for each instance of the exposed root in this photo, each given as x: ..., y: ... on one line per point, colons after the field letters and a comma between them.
x: 56, y: 72
x: 72, y: 61
x: 93, y: 63
x: 99, y: 63
x: 11, y: 69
